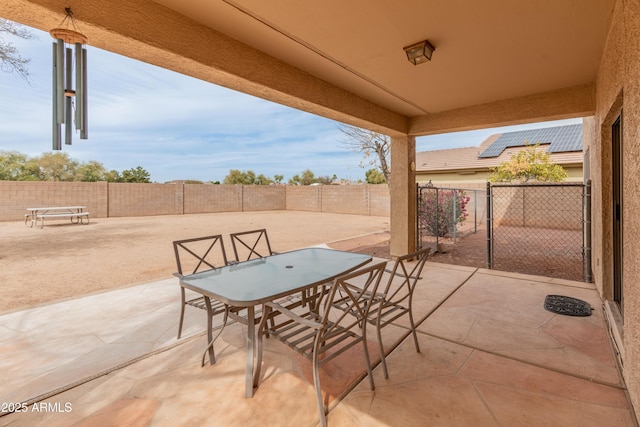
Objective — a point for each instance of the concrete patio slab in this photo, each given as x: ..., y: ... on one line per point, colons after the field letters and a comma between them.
x: 491, y: 355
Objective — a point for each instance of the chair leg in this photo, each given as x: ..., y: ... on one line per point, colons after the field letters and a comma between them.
x: 316, y: 382
x: 181, y: 312
x: 367, y: 359
x: 413, y: 329
x: 211, y: 339
x: 383, y: 358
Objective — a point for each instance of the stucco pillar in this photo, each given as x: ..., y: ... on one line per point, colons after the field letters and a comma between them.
x: 402, y: 189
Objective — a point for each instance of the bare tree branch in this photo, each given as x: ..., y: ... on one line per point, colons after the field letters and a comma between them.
x: 373, y: 146
x: 10, y: 59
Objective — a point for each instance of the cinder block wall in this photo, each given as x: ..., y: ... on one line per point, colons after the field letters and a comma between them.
x: 263, y: 197
x: 304, y: 198
x: 127, y: 199
x: 544, y: 207
x: 379, y: 201
x: 104, y: 199
x: 16, y: 196
x: 199, y: 198
x: 348, y: 199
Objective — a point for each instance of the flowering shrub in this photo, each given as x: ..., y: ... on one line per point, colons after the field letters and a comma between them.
x: 436, y: 210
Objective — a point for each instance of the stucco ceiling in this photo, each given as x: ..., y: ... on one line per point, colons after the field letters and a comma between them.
x: 496, y: 62
x: 485, y: 50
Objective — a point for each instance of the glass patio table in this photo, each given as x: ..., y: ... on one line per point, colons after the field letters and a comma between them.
x: 251, y: 283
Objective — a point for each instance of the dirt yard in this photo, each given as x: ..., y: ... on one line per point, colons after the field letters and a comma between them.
x: 65, y: 260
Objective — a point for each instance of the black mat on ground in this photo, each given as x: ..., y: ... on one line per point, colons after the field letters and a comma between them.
x: 567, y: 305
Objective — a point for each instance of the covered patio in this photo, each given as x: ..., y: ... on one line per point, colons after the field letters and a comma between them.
x: 495, y: 63
x: 491, y: 356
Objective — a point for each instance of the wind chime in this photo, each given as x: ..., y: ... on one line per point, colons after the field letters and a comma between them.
x: 64, y: 89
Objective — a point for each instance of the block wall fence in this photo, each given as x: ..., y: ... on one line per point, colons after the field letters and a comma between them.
x: 104, y: 199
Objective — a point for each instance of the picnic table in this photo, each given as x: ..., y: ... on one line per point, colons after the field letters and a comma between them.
x: 76, y: 214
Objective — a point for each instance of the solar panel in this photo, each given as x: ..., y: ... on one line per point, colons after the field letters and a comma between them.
x: 561, y: 138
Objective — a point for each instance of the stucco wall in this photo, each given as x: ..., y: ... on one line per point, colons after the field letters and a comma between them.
x: 122, y: 199
x: 574, y: 174
x: 618, y: 88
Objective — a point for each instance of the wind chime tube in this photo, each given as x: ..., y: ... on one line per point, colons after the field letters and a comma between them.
x: 60, y: 81
x: 56, y: 126
x: 84, y: 132
x: 79, y: 90
x: 68, y: 122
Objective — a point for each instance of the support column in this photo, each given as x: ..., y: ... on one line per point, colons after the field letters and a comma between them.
x: 402, y: 193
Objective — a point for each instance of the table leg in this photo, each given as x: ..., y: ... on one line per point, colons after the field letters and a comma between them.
x: 251, y: 335
x: 212, y: 355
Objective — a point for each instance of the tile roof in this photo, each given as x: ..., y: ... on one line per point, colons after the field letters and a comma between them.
x: 469, y: 158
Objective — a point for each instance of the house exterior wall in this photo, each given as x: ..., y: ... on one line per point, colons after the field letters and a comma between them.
x: 574, y: 174
x: 618, y: 89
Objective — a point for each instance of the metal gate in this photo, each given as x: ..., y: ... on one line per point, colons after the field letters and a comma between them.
x: 447, y: 214
x: 541, y: 229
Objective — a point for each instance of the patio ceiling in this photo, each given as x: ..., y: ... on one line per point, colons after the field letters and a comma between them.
x: 496, y: 62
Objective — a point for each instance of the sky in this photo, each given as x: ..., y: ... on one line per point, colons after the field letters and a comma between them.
x: 177, y: 127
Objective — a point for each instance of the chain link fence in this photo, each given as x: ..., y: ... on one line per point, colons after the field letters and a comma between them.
x: 446, y: 215
x: 540, y: 229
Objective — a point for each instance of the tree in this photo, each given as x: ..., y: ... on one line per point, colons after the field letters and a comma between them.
x: 278, y: 178
x: 10, y: 59
x: 238, y: 177
x: 91, y: 171
x: 307, y: 178
x: 262, y: 180
x: 374, y: 176
x: 113, y: 176
x: 56, y: 167
x: 135, y: 175
x: 16, y: 166
x: 527, y: 165
x: 326, y: 180
x: 373, y: 146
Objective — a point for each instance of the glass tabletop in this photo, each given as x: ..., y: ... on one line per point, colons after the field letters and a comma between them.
x: 254, y: 282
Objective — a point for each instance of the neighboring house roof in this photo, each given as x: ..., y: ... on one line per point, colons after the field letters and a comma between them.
x: 559, y: 141
x: 560, y: 138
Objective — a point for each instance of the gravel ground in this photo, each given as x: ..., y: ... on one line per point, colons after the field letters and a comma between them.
x: 65, y: 260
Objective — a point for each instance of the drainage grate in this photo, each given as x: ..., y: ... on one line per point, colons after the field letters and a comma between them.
x: 566, y: 305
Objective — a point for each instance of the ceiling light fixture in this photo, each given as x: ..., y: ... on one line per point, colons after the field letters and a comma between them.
x: 419, y: 53
x: 64, y: 91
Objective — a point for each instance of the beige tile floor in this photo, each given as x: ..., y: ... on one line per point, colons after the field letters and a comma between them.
x: 490, y: 356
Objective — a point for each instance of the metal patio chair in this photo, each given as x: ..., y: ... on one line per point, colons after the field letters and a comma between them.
x: 196, y: 255
x: 248, y: 245
x: 251, y: 244
x: 395, y: 298
x: 323, y: 334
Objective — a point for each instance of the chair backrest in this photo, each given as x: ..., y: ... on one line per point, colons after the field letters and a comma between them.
x: 251, y: 244
x: 403, y: 277
x: 355, y: 292
x: 199, y: 254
